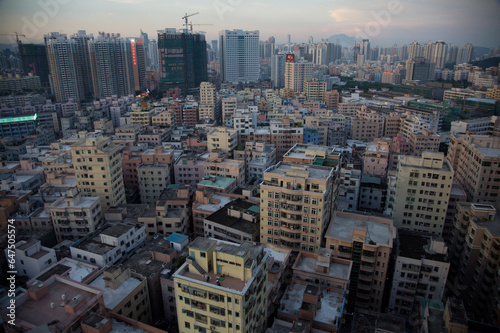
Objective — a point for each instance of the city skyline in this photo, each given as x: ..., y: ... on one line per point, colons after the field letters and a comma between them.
x: 384, y: 23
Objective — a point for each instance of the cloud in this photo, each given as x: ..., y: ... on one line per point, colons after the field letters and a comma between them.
x: 345, y: 15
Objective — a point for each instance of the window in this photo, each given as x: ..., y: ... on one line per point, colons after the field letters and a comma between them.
x: 187, y: 324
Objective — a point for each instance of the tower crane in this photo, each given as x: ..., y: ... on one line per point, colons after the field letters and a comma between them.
x: 14, y: 33
x: 185, y: 18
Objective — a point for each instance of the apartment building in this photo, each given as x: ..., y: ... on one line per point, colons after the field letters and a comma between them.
x: 426, y: 140
x: 98, y: 169
x: 474, y: 254
x: 477, y: 160
x: 376, y: 159
x: 284, y: 135
x: 74, y: 216
x: 420, y: 272
x: 153, y: 179
x: 223, y: 139
x: 368, y: 125
x: 237, y: 222
x: 189, y: 168
x: 31, y: 257
x: 367, y: 241
x: 422, y: 193
x: 141, y: 114
x: 296, y: 205
x: 223, y: 287
x: 217, y: 164
x: 258, y: 156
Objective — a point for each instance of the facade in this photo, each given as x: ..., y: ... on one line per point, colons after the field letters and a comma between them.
x: 296, y: 205
x: 189, y: 168
x: 474, y: 254
x: 74, y: 216
x: 153, y: 179
x: 98, y: 169
x: 420, y: 272
x: 422, y: 193
x: 368, y: 125
x: 296, y: 73
x: 218, y: 165
x: 368, y: 242
x: 477, y: 162
x: 278, y: 70
x: 376, y: 159
x: 239, y: 55
x: 222, y: 287
x: 314, y: 89
x: 182, y: 57
x: 223, y: 139
x: 419, y: 69
x: 31, y: 258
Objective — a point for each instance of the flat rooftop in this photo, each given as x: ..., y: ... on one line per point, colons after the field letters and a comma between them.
x: 332, y: 304
x: 85, y: 202
x: 77, y: 270
x: 310, y: 171
x: 336, y: 270
x: 413, y: 245
x: 93, y: 246
x: 342, y: 227
x: 202, y: 244
x: 40, y: 312
x: 117, y: 230
x: 223, y: 218
x: 219, y: 182
x: 113, y: 297
x: 213, y: 206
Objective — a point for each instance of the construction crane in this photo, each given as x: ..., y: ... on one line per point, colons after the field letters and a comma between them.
x: 185, y: 18
x: 14, y: 33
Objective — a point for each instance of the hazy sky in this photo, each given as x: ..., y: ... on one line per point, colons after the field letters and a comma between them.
x: 383, y: 22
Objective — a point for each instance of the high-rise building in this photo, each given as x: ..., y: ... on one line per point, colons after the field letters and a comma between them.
x: 217, y: 290
x: 183, y: 60
x: 474, y: 254
x: 84, y: 74
x: 296, y: 205
x: 147, y: 56
x: 418, y: 68
x: 62, y: 59
x: 365, y: 49
x: 422, y: 192
x: 438, y: 55
x: 465, y: 54
x: 477, y: 159
x: 415, y: 50
x: 138, y: 48
x: 239, y: 56
x: 278, y: 70
x: 34, y: 61
x: 98, y: 169
x: 296, y: 72
x: 112, y: 65
x: 153, y: 54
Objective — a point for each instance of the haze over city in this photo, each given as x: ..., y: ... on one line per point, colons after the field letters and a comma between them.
x: 454, y: 21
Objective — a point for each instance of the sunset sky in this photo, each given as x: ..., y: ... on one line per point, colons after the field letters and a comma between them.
x: 453, y: 21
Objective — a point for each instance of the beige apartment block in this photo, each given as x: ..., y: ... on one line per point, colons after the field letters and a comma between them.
x: 228, y: 106
x: 422, y: 193
x: 368, y: 242
x: 141, y: 114
x: 368, y: 125
x: 296, y: 73
x: 222, y: 287
x: 376, y: 159
x: 477, y: 160
x: 217, y: 164
x: 98, y: 169
x: 296, y: 205
x: 223, y: 139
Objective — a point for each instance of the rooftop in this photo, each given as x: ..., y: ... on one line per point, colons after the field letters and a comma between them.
x: 223, y: 217
x: 117, y: 230
x: 177, y: 238
x: 77, y: 270
x: 93, y: 246
x: 414, y: 245
x: 215, y: 203
x: 343, y: 224
x: 113, y: 297
x: 295, y: 171
x: 337, y: 269
x: 202, y: 244
x: 217, y: 181
x: 329, y: 312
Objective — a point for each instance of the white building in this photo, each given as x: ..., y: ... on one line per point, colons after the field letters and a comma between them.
x: 239, y: 53
x: 110, y: 245
x: 32, y: 258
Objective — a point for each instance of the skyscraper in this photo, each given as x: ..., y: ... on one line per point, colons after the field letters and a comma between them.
x: 438, y: 55
x: 153, y: 53
x: 138, y: 49
x: 278, y: 70
x: 145, y: 39
x: 465, y: 54
x: 183, y: 60
x: 415, y: 50
x: 239, y: 56
x: 365, y: 48
x: 62, y: 59
x: 111, y: 64
x: 84, y: 76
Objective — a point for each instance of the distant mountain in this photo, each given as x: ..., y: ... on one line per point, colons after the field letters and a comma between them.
x: 486, y: 63
x: 480, y: 51
x: 343, y: 40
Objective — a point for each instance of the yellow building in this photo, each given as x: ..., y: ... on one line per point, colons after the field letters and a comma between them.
x: 296, y: 204
x: 222, y: 287
x: 141, y: 114
x: 314, y: 89
x: 222, y: 138
x: 98, y: 169
x: 493, y: 93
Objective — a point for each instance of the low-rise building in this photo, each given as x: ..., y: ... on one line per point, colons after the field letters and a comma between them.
x: 237, y: 221
x: 31, y: 257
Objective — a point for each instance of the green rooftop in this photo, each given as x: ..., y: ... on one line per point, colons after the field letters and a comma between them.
x: 175, y: 186
x: 216, y: 181
x: 254, y: 209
